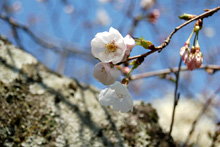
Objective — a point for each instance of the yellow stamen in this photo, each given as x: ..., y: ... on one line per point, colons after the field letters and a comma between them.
x: 120, y: 96
x: 103, y: 68
x: 111, y: 47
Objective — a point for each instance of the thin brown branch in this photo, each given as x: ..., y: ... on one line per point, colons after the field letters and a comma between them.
x: 176, y: 96
x: 215, y: 138
x: 213, y: 68
x: 168, y: 39
x: 40, y: 41
x: 205, y: 107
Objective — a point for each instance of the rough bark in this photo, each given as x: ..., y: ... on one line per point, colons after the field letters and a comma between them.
x: 42, y: 108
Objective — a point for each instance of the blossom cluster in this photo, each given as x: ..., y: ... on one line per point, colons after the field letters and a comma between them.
x: 111, y: 48
x: 192, y: 58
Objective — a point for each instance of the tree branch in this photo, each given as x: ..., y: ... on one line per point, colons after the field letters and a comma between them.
x: 40, y: 41
x: 214, y: 68
x: 176, y: 96
x: 205, y: 107
x: 168, y: 39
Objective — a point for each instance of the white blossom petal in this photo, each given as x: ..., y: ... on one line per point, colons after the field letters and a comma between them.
x: 106, y: 74
x: 106, y: 97
x: 118, y: 96
x: 130, y: 43
x: 123, y: 105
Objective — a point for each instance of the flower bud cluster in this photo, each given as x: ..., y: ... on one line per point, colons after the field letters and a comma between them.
x: 193, y: 57
x: 111, y: 48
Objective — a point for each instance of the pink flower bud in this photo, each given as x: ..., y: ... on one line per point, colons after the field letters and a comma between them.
x: 130, y: 43
x: 198, y: 59
x: 194, y: 60
x: 184, y: 53
x: 125, y: 70
x: 190, y: 61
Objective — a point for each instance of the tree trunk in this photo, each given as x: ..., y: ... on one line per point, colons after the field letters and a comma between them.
x: 42, y: 108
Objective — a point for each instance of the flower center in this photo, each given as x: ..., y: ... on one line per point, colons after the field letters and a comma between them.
x: 111, y: 47
x: 120, y: 95
x: 103, y: 68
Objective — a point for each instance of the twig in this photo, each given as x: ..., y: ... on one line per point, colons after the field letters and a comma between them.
x: 176, y: 96
x: 205, y: 107
x: 215, y: 138
x: 168, y: 39
x: 17, y: 37
x: 168, y: 71
x: 40, y: 41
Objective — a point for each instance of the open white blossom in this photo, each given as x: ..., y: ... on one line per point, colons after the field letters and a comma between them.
x: 109, y: 46
x: 129, y: 41
x: 118, y: 96
x: 106, y: 73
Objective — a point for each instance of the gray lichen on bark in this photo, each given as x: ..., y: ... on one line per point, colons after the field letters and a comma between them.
x: 42, y: 108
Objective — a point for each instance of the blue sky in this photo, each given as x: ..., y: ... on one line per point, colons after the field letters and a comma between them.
x: 78, y: 28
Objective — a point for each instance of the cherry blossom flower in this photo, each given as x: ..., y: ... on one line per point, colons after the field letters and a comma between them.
x: 118, y: 96
x: 194, y: 60
x: 109, y: 46
x: 198, y: 59
x: 184, y: 53
x: 129, y: 41
x: 106, y: 73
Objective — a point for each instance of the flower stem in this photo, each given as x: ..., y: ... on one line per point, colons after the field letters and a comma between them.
x: 127, y: 76
x: 188, y: 40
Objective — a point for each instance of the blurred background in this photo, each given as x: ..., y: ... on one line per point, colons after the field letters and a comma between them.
x: 58, y: 33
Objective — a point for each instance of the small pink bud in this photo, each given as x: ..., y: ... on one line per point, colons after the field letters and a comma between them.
x: 190, y: 62
x: 130, y: 43
x: 198, y: 59
x: 125, y: 70
x: 194, y: 60
x: 184, y: 53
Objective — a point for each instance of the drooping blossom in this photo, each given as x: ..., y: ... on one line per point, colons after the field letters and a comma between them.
x: 106, y: 73
x: 184, y: 53
x: 194, y: 60
x: 118, y: 96
x: 130, y: 43
x: 109, y: 46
